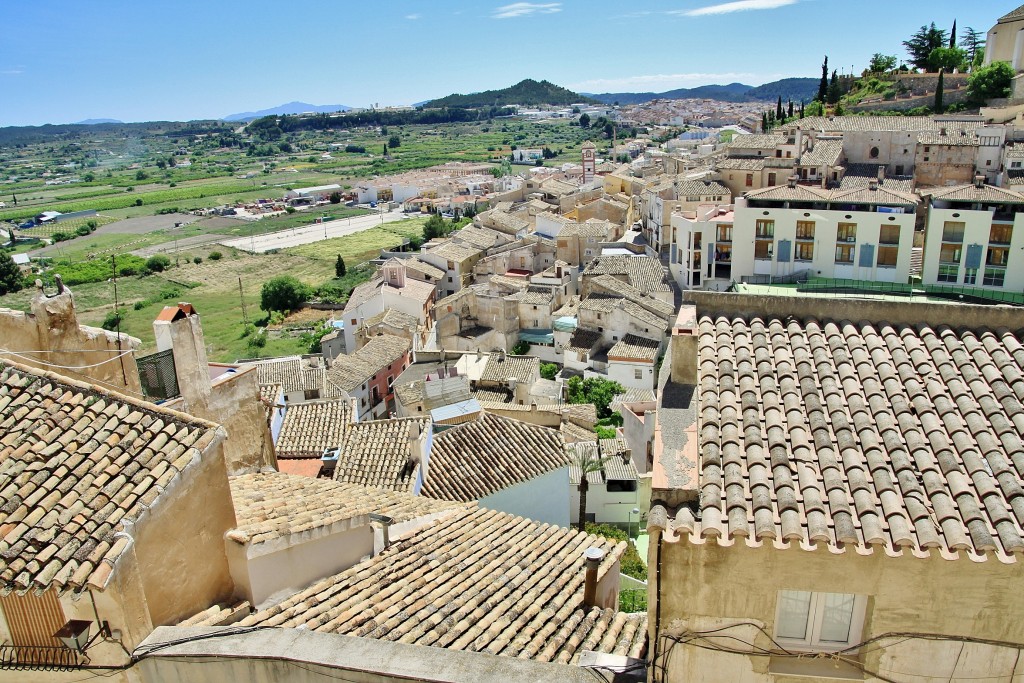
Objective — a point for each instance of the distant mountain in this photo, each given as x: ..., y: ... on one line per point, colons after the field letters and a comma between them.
x: 93, y: 122
x: 528, y: 92
x: 289, y: 108
x: 795, y: 89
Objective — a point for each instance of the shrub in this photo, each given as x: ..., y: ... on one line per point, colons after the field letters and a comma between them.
x: 158, y: 263
x: 82, y: 230
x: 521, y: 348
x: 283, y: 293
x: 197, y: 260
x: 215, y: 256
x: 60, y: 237
x: 548, y: 370
x: 139, y: 305
x: 289, y: 209
x: 112, y: 320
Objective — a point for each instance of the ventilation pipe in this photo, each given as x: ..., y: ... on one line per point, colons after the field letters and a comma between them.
x: 593, y: 563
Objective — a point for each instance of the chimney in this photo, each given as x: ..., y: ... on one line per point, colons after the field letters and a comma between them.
x: 791, y: 181
x: 872, y: 184
x: 881, y: 174
x: 385, y: 529
x: 178, y: 329
x: 418, y: 454
x: 942, y: 131
x: 683, y: 346
x: 593, y: 563
x: 979, y: 181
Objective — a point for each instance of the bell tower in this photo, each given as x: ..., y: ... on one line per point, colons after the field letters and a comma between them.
x: 588, y: 150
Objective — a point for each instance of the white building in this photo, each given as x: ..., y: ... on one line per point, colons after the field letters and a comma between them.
x: 975, y: 238
x: 612, y: 491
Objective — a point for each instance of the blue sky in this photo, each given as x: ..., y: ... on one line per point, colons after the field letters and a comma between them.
x: 139, y: 60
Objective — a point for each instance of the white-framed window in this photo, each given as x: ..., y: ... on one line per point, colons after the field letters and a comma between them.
x: 819, y: 621
x: 638, y: 373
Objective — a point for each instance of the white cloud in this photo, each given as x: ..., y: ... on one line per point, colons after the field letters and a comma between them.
x: 14, y: 71
x: 525, y: 9
x: 735, y: 6
x: 413, y: 17
x: 662, y: 82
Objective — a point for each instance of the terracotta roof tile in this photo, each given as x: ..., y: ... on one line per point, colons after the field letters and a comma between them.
x: 377, y: 453
x: 349, y: 371
x: 78, y: 466
x: 500, y: 367
x: 478, y: 458
x: 869, y: 434
x: 309, y: 428
x: 269, y: 505
x: 478, y: 580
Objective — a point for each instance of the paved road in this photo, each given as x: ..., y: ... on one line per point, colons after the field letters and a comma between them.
x: 312, y: 233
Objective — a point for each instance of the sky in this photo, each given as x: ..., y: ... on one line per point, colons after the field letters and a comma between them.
x: 63, y: 61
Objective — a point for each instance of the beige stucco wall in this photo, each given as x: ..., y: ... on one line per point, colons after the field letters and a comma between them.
x: 707, y: 586
x: 53, y: 327
x: 180, y: 543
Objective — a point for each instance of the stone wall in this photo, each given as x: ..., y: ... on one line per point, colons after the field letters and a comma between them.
x: 50, y: 338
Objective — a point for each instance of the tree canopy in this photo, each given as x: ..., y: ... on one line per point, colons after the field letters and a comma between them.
x: 990, y: 81
x: 923, y: 42
x: 594, y: 390
x: 881, y: 63
x: 10, y: 274
x: 283, y: 293
x: 973, y: 43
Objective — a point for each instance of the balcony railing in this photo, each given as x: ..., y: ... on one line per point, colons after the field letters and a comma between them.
x: 39, y: 658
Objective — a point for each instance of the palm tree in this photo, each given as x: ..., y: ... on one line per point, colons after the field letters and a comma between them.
x: 586, y: 462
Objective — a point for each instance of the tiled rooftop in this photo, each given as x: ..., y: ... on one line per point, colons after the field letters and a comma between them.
x: 825, y: 153
x: 574, y: 433
x: 583, y: 340
x: 309, y: 428
x: 864, y: 434
x: 476, y: 580
x: 478, y: 458
x: 349, y: 371
x: 500, y: 367
x: 270, y: 505
x: 701, y: 188
x: 376, y: 453
x: 952, y: 138
x: 632, y: 347
x: 392, y: 318
x: 286, y: 372
x: 972, y: 193
x: 618, y: 465
x: 643, y: 272
x: 79, y: 466
x: 841, y: 124
x: 614, y: 285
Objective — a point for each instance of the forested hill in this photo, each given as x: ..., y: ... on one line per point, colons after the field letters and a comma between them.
x: 529, y: 93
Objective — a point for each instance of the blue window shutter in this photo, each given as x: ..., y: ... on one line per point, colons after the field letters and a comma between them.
x: 711, y: 252
x: 867, y: 255
x: 974, y: 256
x: 674, y: 260
x: 785, y: 247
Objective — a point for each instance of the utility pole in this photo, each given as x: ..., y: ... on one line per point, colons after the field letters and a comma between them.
x: 117, y: 317
x: 241, y: 297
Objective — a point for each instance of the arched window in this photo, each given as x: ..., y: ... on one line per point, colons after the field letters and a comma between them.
x: 873, y: 153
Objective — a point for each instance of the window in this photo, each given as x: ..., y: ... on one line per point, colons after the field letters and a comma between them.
x: 805, y: 251
x: 764, y: 228
x: 889, y: 234
x: 1000, y: 233
x: 750, y: 180
x: 724, y: 233
x: 950, y: 253
x: 994, y: 277
x: 819, y: 621
x: 948, y: 273
x: 970, y: 276
x: 723, y: 253
x: 771, y: 179
x: 846, y: 232
x: 997, y: 257
x: 887, y: 256
x: 899, y: 167
x: 873, y: 152
x: 638, y: 373
x: 805, y: 230
x: 953, y: 232
x: 620, y: 486
x: 844, y: 253
x: 764, y: 249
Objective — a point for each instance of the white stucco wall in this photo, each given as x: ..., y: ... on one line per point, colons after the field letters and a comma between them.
x: 978, y: 225
x: 289, y: 564
x: 611, y: 507
x: 542, y: 499
x: 624, y: 372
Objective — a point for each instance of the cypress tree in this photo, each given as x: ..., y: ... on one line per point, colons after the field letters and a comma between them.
x: 778, y: 109
x: 833, y: 93
x: 823, y: 84
x: 939, y: 93
x: 790, y: 115
x: 339, y: 267
x: 764, y: 122
x: 952, y: 36
x: 801, y: 108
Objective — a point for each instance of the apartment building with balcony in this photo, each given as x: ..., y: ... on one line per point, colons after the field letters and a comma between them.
x: 975, y: 237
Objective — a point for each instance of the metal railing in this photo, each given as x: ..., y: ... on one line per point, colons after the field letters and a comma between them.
x: 39, y: 658
x: 158, y: 376
x: 952, y: 292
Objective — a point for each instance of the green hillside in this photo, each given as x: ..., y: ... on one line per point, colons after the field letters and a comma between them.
x: 529, y: 93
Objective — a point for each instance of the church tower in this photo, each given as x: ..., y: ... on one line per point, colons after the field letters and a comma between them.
x: 589, y: 151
